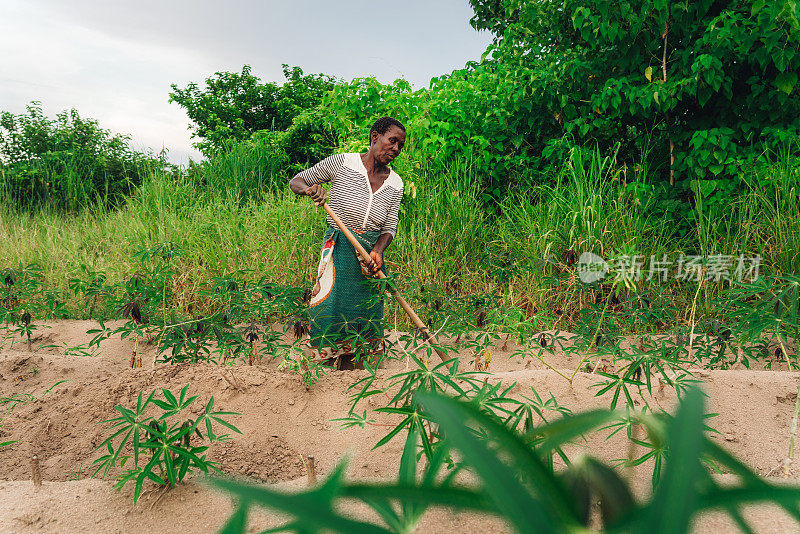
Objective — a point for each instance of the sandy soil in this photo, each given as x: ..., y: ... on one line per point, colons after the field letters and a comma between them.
x: 282, y: 422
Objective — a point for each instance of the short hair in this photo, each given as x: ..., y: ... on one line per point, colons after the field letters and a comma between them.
x: 383, y: 124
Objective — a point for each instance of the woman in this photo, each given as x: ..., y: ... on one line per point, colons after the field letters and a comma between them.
x: 365, y: 194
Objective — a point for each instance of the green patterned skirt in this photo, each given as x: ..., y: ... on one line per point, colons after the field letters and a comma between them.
x: 346, y: 309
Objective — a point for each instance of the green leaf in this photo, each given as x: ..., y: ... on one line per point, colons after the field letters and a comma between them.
x: 460, y: 498
x: 237, y: 522
x: 786, y: 496
x: 393, y: 433
x: 785, y: 81
x: 137, y: 490
x: 180, y: 451
x: 155, y: 478
x: 161, y: 404
x: 226, y: 424
x: 567, y: 428
x: 736, y: 467
x: 170, y: 398
x: 313, y: 510
x: 183, y: 394
x: 511, y: 498
x: 676, y: 500
x: 408, y: 460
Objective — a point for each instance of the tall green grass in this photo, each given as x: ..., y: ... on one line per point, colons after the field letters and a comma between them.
x: 247, y: 169
x: 229, y: 220
x: 443, y: 227
x: 588, y: 207
x: 67, y: 163
x: 591, y: 206
x: 216, y: 235
x: 768, y: 215
x: 62, y: 182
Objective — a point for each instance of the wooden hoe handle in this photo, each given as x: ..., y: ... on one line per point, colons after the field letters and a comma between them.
x: 400, y: 300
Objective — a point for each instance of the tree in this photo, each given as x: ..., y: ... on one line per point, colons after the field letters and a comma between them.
x: 232, y: 106
x: 689, y: 88
x: 493, y: 15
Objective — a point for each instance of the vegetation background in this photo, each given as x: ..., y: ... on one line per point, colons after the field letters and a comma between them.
x: 623, y: 128
x: 648, y: 132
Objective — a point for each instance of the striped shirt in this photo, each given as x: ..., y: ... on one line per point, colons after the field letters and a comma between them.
x: 351, y: 196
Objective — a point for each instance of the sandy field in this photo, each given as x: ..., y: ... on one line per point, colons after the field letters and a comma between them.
x: 282, y: 422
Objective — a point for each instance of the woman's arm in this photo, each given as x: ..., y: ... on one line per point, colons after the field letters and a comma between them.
x: 315, y: 191
x: 387, y: 234
x: 308, y: 182
x: 298, y: 185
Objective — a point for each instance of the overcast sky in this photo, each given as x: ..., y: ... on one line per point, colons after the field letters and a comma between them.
x: 114, y: 61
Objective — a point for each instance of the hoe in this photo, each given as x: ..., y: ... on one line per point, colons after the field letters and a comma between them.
x: 426, y: 335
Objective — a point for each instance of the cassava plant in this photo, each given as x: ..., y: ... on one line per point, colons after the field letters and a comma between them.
x: 516, y: 484
x: 162, y: 448
x: 90, y: 287
x: 20, y: 300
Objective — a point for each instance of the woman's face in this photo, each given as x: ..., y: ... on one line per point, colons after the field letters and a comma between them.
x: 387, y: 146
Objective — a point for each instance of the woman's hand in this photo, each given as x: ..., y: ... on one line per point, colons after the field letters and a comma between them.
x: 317, y: 194
x: 376, y: 254
x: 375, y: 263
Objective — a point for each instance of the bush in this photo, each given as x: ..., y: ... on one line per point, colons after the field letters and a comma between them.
x: 67, y: 163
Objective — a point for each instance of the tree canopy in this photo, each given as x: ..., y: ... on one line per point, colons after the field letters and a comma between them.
x: 690, y: 90
x: 233, y: 106
x: 685, y: 87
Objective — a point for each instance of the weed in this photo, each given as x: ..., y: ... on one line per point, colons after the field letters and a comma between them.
x: 20, y: 399
x: 76, y: 473
x: 15, y: 400
x: 90, y: 288
x: 20, y: 298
